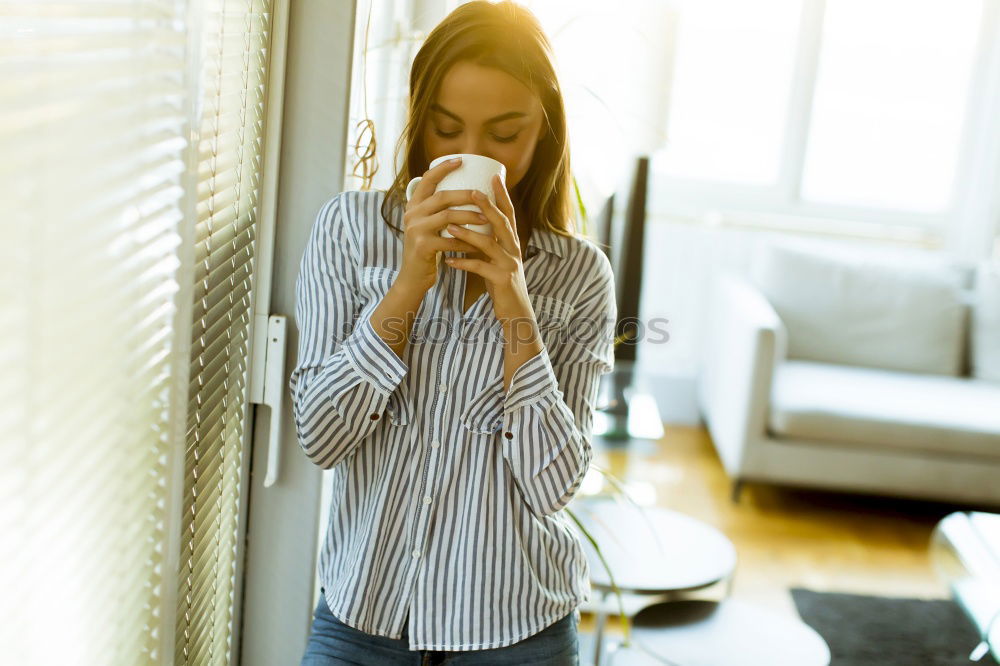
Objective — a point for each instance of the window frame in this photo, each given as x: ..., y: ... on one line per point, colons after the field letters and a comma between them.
x: 782, y: 202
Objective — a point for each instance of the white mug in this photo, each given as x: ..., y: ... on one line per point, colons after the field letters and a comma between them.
x: 475, y: 173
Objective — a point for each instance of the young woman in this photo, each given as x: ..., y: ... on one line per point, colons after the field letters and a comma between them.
x: 454, y: 444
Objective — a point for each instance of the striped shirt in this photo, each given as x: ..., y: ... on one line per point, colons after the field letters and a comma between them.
x: 447, y: 490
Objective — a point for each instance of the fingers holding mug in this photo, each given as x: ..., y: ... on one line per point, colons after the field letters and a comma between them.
x: 421, y: 187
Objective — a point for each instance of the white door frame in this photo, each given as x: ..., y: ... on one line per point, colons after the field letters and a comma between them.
x: 278, y: 572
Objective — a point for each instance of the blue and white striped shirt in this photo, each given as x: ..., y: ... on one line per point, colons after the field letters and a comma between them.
x: 448, y: 510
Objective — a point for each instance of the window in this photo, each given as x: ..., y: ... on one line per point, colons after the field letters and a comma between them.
x: 132, y: 136
x: 854, y: 110
x: 891, y: 98
x: 734, y: 68
x: 829, y: 113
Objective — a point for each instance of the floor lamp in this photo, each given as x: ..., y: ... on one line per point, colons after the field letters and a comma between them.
x: 626, y: 413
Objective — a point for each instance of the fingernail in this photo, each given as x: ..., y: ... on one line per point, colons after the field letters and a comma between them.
x: 455, y: 160
x: 452, y: 228
x: 483, y: 217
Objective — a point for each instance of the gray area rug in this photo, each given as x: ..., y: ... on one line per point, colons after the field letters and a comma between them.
x: 887, y: 631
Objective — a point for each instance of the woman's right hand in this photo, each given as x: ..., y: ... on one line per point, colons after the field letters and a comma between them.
x: 427, y: 214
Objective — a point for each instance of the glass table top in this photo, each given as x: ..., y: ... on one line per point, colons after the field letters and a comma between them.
x: 965, y: 548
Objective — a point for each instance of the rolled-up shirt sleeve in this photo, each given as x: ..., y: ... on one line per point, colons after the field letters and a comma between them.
x: 548, y: 409
x: 345, y: 372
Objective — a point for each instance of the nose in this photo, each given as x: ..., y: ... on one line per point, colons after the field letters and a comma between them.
x: 475, y: 146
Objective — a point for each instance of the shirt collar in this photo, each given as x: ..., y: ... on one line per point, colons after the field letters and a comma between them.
x: 543, y: 239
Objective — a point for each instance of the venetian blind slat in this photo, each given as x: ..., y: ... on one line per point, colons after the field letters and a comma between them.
x: 92, y: 129
x: 228, y: 145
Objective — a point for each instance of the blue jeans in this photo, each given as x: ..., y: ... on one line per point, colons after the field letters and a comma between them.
x: 333, y: 642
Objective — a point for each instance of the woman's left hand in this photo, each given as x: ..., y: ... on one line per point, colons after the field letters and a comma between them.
x: 502, y: 269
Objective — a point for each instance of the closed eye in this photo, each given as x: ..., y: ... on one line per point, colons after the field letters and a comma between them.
x: 501, y: 139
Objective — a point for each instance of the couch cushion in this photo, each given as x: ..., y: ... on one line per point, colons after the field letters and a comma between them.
x: 837, y: 403
x: 985, y: 357
x: 859, y: 310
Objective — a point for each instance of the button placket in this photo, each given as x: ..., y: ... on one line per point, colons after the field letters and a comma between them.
x: 435, y: 445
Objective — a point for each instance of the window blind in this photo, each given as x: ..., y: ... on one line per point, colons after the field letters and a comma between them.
x: 93, y: 133
x: 132, y: 135
x: 229, y: 144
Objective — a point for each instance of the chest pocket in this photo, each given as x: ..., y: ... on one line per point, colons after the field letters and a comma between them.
x: 374, y: 283
x: 553, y: 316
x: 484, y: 412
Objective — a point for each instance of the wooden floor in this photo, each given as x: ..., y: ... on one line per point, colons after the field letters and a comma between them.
x: 784, y: 537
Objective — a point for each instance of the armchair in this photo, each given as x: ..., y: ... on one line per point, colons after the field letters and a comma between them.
x: 874, y: 399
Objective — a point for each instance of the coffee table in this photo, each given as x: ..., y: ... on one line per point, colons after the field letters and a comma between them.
x: 993, y: 637
x: 697, y: 632
x: 651, y: 551
x: 965, y: 548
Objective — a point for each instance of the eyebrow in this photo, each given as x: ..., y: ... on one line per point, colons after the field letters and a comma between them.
x: 495, y: 119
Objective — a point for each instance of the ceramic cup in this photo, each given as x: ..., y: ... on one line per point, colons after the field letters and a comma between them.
x: 475, y: 173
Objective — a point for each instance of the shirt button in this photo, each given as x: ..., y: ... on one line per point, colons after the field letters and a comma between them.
x: 427, y: 500
x: 416, y: 553
x: 374, y: 417
x: 443, y: 388
x: 509, y: 435
x: 435, y: 444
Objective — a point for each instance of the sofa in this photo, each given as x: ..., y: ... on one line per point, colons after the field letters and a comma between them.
x: 849, y: 371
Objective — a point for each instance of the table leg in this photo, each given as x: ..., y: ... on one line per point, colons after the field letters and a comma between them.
x: 602, y: 617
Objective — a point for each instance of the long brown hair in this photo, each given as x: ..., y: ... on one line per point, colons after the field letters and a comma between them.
x: 505, y: 36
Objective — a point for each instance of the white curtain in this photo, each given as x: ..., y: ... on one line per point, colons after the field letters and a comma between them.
x: 387, y: 36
